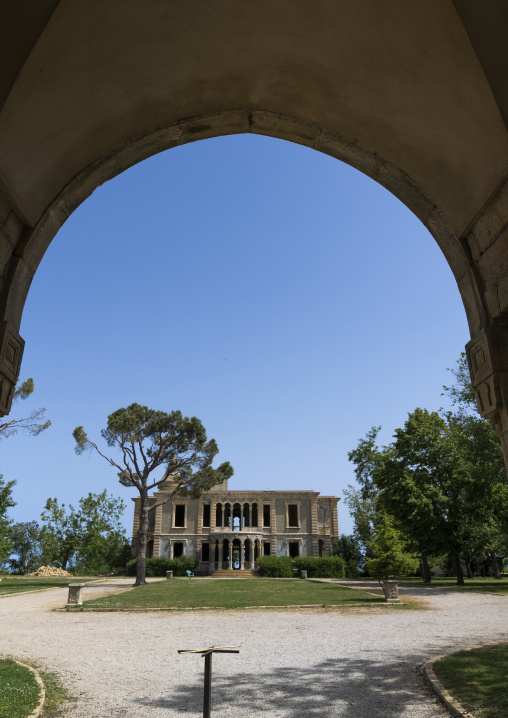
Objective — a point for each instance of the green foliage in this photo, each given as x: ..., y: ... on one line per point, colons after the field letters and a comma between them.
x: 6, y: 502
x: 157, y: 566
x: 389, y: 556
x: 349, y: 548
x: 275, y: 566
x: 90, y: 538
x: 321, y: 567
x: 33, y: 424
x: 26, y: 547
x: 443, y: 479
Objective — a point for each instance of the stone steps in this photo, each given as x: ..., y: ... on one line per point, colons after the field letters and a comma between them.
x: 224, y: 573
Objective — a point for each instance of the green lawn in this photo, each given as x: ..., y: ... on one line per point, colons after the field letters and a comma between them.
x: 473, y: 677
x: 481, y: 585
x: 234, y: 593
x: 19, y: 584
x: 19, y: 691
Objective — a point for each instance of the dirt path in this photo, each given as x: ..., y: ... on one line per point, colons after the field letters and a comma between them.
x: 292, y: 664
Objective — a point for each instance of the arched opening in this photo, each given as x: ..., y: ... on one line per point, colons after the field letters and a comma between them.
x: 306, y: 339
x: 237, y: 517
x: 236, y: 549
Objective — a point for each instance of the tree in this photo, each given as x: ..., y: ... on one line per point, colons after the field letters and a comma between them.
x: 156, y: 447
x: 25, y: 546
x: 348, y: 548
x: 389, y: 557
x: 6, y: 502
x: 84, y: 537
x: 33, y: 424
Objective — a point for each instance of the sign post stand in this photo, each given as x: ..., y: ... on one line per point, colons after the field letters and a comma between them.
x: 207, y: 655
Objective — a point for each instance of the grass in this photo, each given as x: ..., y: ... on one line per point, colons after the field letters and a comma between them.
x: 57, y: 697
x: 19, y: 691
x: 473, y: 677
x: 20, y: 584
x: 234, y: 593
x: 475, y: 585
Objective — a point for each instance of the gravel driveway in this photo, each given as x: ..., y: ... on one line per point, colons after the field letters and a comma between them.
x: 292, y: 664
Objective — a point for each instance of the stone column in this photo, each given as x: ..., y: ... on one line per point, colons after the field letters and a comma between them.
x: 242, y: 555
x: 157, y: 530
x: 251, y: 555
x: 230, y: 566
x: 74, y: 598
x: 11, y: 352
x: 487, y: 356
x: 221, y: 556
x: 273, y: 527
x: 171, y: 550
x: 213, y: 515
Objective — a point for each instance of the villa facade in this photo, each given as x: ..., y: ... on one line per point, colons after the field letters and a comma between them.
x: 229, y: 530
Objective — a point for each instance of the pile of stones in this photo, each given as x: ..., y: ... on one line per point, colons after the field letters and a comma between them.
x: 50, y: 571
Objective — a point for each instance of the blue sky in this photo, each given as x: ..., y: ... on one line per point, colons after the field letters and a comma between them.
x: 282, y: 297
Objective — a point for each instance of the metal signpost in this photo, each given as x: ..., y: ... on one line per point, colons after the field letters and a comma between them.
x: 207, y: 654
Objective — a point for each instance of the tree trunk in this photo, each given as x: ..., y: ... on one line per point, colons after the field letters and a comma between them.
x: 458, y: 569
x: 142, y: 540
x: 469, y: 570
x: 494, y: 565
x: 425, y: 569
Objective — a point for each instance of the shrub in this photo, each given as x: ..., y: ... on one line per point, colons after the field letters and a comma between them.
x: 157, y: 566
x: 321, y: 567
x: 275, y: 566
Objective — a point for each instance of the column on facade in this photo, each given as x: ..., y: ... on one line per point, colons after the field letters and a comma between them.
x: 314, y: 526
x: 171, y: 550
x: 221, y: 555
x: 157, y: 530
x: 251, y: 554
x: 213, y: 515
x: 273, y: 527
x: 230, y: 563
x: 242, y: 555
x: 335, y: 520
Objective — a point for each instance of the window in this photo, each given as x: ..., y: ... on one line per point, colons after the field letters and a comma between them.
x: 266, y: 548
x: 294, y: 549
x: 205, y: 552
x: 266, y: 515
x: 177, y: 549
x: 293, y: 515
x: 218, y: 515
x: 206, y: 516
x: 180, y: 515
x: 254, y: 514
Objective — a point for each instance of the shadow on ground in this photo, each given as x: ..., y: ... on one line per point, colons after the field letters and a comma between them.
x: 338, y: 687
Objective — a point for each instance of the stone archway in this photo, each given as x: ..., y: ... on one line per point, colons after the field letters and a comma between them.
x: 415, y: 99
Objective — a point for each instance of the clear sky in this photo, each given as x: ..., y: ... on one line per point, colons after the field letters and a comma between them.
x: 280, y: 296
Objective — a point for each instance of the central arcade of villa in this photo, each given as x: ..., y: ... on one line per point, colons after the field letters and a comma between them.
x: 228, y: 530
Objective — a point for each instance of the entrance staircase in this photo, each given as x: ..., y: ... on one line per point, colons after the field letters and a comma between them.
x: 236, y: 573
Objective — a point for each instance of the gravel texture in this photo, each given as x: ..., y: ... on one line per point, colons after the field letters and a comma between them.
x: 292, y: 664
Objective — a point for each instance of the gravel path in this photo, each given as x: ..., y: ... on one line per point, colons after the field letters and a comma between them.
x: 293, y: 664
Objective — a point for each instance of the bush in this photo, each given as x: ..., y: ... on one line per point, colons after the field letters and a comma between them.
x: 275, y: 566
x: 157, y: 567
x: 321, y: 567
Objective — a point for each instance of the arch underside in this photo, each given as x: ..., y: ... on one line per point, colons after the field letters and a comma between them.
x: 412, y: 98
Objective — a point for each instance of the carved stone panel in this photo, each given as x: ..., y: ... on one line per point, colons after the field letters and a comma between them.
x: 11, y: 353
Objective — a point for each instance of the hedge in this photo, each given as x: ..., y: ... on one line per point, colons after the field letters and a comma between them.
x: 275, y: 566
x: 159, y: 566
x: 321, y: 567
